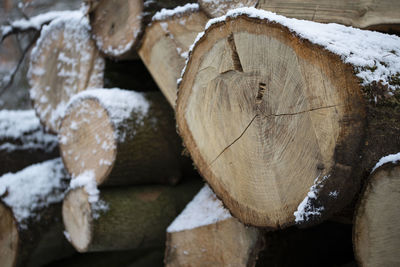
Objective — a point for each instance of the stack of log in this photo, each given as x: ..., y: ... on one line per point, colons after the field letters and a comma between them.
x: 293, y: 124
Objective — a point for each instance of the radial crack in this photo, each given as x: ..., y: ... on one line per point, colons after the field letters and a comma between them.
x: 235, y: 56
x: 234, y: 141
x: 300, y: 112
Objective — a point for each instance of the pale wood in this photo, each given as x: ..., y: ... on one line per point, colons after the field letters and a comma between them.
x: 149, y: 152
x: 164, y: 48
x: 136, y: 218
x: 379, y: 15
x: 50, y: 90
x: 262, y: 125
x: 359, y: 13
x: 224, y: 243
x: 118, y: 25
x: 376, y: 232
x: 41, y: 242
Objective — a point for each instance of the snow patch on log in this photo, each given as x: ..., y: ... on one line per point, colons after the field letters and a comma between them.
x: 87, y: 180
x: 393, y: 158
x: 75, y: 25
x: 204, y: 209
x: 307, y: 208
x: 35, y: 22
x: 24, y: 127
x: 375, y: 56
x: 33, y: 188
x: 164, y: 13
x: 119, y: 104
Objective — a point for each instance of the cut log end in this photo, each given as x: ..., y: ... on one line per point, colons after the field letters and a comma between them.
x: 64, y: 62
x: 274, y: 119
x: 219, y: 8
x: 77, y: 217
x: 111, y: 22
x: 87, y: 140
x: 8, y: 237
x: 376, y: 229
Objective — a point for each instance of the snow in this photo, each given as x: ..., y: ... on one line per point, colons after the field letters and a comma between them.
x: 34, y: 188
x: 73, y: 29
x: 375, y: 56
x: 24, y: 126
x: 119, y: 104
x: 386, y: 159
x: 33, y: 23
x: 306, y: 209
x: 204, y: 209
x: 87, y: 180
x: 177, y: 11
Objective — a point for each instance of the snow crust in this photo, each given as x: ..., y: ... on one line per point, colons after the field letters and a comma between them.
x: 87, y: 180
x: 306, y: 208
x: 204, y: 209
x: 177, y: 11
x: 35, y: 22
x: 120, y: 104
x: 73, y: 27
x: 34, y: 188
x: 386, y: 159
x: 23, y: 126
x: 375, y: 56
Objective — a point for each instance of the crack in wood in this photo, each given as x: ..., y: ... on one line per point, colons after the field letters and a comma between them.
x: 237, y: 65
x: 234, y: 141
x: 275, y: 115
x: 262, y: 87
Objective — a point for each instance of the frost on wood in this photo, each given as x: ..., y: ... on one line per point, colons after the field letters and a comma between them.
x: 34, y: 188
x: 375, y: 56
x: 24, y: 127
x: 308, y: 208
x: 204, y: 209
x: 393, y: 158
x: 87, y: 180
x: 63, y: 62
x: 118, y: 103
x: 177, y: 11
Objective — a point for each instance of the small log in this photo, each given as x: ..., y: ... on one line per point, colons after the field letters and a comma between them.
x: 205, y: 234
x: 133, y: 217
x: 165, y: 46
x: 284, y: 118
x: 64, y: 62
x: 382, y: 15
x: 30, y: 221
x: 376, y: 234
x: 123, y: 136
x: 23, y: 141
x: 118, y: 26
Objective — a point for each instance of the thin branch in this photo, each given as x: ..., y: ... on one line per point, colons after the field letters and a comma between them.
x: 20, y: 61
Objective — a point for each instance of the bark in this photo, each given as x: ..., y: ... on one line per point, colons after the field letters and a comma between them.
x: 118, y: 26
x: 381, y: 16
x: 64, y: 62
x: 376, y: 232
x: 165, y: 46
x: 140, y: 148
x: 136, y: 217
x: 267, y: 126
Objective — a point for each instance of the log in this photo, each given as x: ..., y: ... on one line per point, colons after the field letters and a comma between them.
x: 64, y: 62
x: 117, y: 26
x: 124, y: 137
x: 30, y: 221
x: 284, y: 118
x: 382, y: 15
x: 205, y: 234
x: 166, y: 43
x: 376, y: 234
x: 131, y: 217
x: 23, y: 141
